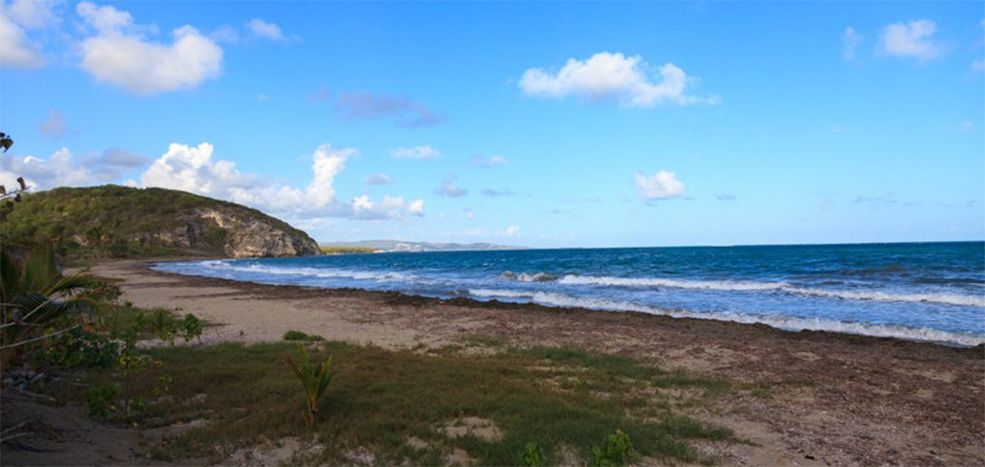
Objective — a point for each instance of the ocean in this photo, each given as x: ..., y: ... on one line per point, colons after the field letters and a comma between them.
x: 917, y: 291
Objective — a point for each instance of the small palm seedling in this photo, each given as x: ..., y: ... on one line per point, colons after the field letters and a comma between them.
x: 314, y: 378
x: 616, y: 450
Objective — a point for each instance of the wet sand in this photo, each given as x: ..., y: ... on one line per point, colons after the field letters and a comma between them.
x: 835, y: 398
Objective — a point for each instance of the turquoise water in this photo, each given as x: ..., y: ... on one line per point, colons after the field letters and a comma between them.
x: 919, y: 291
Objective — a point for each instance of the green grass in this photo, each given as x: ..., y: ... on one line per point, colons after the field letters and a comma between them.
x: 378, y: 398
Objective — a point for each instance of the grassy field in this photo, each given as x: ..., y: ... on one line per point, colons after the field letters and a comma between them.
x: 416, y: 406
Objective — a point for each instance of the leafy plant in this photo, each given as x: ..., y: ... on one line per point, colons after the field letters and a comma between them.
x: 293, y: 335
x: 37, y: 302
x: 616, y: 450
x: 79, y: 348
x: 533, y: 456
x: 191, y: 327
x: 314, y: 378
x: 162, y: 325
x: 101, y: 398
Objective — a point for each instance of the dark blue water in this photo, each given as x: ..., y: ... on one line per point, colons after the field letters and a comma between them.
x: 925, y: 291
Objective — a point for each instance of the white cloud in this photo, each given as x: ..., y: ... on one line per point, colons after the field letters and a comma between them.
x: 120, y: 55
x: 16, y: 49
x: 491, y: 161
x: 62, y: 168
x: 850, y: 40
x: 417, y: 152
x: 55, y: 126
x: 34, y: 14
x: 104, y: 18
x: 512, y: 231
x: 225, y: 33
x: 469, y: 214
x: 978, y: 65
x: 661, y: 185
x: 59, y: 169
x: 449, y: 188
x: 193, y: 169
x: 378, y: 179
x: 613, y: 76
x: 910, y: 40
x: 264, y: 30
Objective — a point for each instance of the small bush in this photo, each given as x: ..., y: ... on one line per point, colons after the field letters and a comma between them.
x: 79, y: 348
x: 101, y: 399
x: 293, y: 335
x: 616, y: 450
x: 533, y: 456
x: 190, y: 327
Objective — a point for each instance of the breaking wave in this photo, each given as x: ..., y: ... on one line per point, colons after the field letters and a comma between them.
x: 778, y: 321
x: 943, y: 298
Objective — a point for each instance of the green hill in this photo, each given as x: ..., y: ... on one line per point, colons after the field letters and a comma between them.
x: 116, y: 221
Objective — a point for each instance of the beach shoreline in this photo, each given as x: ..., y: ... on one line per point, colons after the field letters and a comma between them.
x: 836, y: 397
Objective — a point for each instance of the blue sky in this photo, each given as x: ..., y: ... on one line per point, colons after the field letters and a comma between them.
x: 544, y: 124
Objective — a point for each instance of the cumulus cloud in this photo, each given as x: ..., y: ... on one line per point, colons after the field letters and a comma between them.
x: 850, y: 40
x: 62, y: 168
x: 491, y: 161
x: 55, y: 126
x: 512, y: 231
x: 17, y: 50
x: 910, y: 40
x: 416, y: 152
x: 400, y: 109
x: 613, y: 77
x: 449, y: 188
x: 378, y: 179
x: 119, y: 54
x: 59, y: 169
x: 121, y: 158
x: 34, y: 14
x: 264, y: 30
x: 661, y: 185
x: 193, y: 169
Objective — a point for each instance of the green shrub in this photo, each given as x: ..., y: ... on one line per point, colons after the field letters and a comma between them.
x: 190, y: 327
x: 79, y: 348
x: 533, y: 456
x: 616, y: 450
x: 101, y: 399
x: 293, y: 335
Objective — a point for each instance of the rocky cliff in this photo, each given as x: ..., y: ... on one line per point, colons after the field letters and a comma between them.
x: 114, y: 221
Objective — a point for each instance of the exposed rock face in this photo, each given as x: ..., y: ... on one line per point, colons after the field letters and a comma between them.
x: 249, y: 236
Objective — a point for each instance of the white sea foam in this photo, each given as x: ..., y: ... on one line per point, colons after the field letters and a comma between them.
x: 498, y: 293
x: 527, y: 277
x: 874, y: 295
x: 945, y: 298
x: 777, y: 321
x: 676, y: 283
x: 307, y: 271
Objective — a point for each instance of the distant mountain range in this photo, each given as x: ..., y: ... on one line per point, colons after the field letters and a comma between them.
x: 399, y: 246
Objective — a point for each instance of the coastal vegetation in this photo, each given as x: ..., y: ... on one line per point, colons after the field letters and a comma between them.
x: 121, y: 222
x: 423, y: 407
x: 341, y: 250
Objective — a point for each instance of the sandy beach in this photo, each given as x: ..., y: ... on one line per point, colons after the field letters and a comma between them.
x: 839, y: 399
